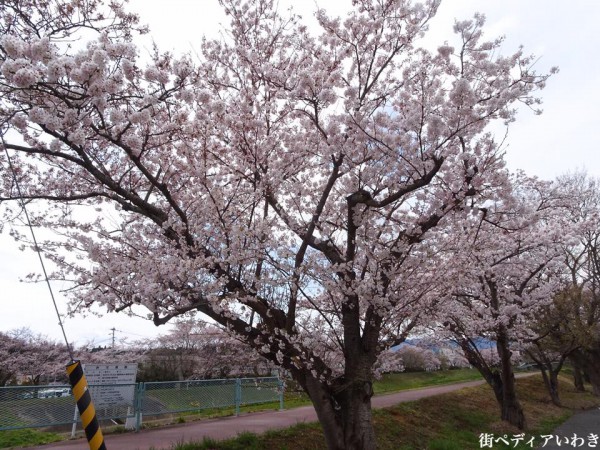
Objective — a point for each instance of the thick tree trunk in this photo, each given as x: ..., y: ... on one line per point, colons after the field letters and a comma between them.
x: 495, y: 381
x: 551, y: 381
x: 511, y: 409
x: 503, y: 384
x: 501, y: 381
x: 326, y: 412
x: 589, y: 362
x: 356, y: 415
x: 345, y: 417
x: 553, y: 388
x: 594, y: 373
x: 550, y: 370
x: 578, y: 378
x: 512, y: 412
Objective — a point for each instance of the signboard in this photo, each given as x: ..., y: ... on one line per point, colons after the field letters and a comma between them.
x: 111, y: 384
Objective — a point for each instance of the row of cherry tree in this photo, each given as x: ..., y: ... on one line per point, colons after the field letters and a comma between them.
x: 524, y: 275
x: 192, y: 350
x: 197, y: 350
x: 569, y: 326
x: 29, y: 358
x: 33, y: 359
x: 319, y: 194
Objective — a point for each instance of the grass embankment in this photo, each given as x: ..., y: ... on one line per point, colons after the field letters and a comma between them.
x: 393, y: 382
x: 26, y: 437
x: 451, y: 421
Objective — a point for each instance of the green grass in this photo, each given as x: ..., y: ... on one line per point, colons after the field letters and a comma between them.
x: 26, y: 437
x: 413, y: 380
x: 245, y: 441
x: 452, y: 421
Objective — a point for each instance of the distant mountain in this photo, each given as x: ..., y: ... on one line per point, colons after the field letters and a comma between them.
x: 481, y: 343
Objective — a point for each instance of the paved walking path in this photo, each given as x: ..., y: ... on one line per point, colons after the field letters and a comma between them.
x: 163, y: 438
x: 577, y: 432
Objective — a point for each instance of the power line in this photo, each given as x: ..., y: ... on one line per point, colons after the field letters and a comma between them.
x: 129, y: 332
x: 36, y: 247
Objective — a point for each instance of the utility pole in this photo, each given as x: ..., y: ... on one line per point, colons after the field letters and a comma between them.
x: 113, y: 336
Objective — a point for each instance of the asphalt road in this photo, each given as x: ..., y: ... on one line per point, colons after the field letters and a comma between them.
x: 580, y: 431
x: 163, y: 438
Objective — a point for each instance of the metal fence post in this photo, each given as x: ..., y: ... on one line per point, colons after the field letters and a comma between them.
x: 281, y: 387
x: 139, y: 403
x: 238, y: 395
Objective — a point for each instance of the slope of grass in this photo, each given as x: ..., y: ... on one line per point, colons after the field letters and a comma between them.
x: 26, y: 437
x: 392, y: 382
x: 452, y: 421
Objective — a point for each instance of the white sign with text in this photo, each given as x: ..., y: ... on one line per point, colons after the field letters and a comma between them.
x: 111, y: 384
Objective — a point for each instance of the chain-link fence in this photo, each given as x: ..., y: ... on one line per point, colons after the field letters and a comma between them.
x: 260, y: 390
x: 44, y: 406
x: 193, y: 395
x: 41, y: 406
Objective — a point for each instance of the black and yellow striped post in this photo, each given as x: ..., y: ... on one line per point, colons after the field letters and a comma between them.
x: 87, y: 412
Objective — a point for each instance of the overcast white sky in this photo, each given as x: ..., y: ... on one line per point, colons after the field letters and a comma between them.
x: 564, y: 138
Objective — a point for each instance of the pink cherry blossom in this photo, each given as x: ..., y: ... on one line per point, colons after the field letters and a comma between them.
x: 296, y: 188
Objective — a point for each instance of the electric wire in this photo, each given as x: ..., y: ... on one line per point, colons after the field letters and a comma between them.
x: 36, y: 247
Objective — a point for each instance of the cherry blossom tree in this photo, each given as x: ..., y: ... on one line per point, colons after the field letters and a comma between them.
x: 31, y: 358
x: 289, y: 185
x: 111, y: 355
x: 504, y: 274
x: 578, y: 308
x: 426, y: 352
x: 7, y: 363
x: 557, y: 338
x: 451, y: 357
x: 34, y: 359
x: 195, y: 349
x: 567, y: 326
x: 550, y: 364
x: 417, y: 358
x: 173, y: 356
x: 388, y: 361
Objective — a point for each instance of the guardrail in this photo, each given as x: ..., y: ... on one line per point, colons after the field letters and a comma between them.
x: 45, y: 406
